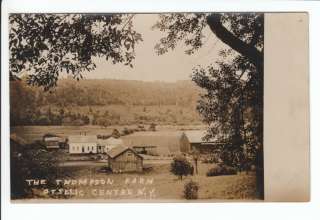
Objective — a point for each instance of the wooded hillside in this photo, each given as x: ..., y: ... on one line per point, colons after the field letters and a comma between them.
x: 104, y: 102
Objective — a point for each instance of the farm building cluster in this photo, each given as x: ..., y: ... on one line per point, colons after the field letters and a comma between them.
x: 189, y: 141
x: 120, y: 158
x: 125, y: 157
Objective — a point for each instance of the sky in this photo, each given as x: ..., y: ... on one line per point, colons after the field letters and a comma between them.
x: 148, y: 66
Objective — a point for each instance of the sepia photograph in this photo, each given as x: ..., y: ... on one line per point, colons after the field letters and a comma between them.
x: 136, y: 107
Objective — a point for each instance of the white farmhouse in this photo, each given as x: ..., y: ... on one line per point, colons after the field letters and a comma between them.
x: 83, y: 144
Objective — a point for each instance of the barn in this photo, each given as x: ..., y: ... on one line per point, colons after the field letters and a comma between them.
x: 124, y: 159
x: 83, y: 144
x: 194, y: 141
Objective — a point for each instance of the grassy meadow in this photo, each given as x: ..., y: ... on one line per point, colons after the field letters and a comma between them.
x: 165, y: 186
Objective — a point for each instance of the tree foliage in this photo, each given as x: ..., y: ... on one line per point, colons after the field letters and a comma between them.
x: 48, y: 44
x: 116, y: 133
x: 30, y: 162
x: 180, y: 166
x: 232, y: 103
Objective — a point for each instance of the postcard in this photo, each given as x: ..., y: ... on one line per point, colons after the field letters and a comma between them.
x: 159, y: 107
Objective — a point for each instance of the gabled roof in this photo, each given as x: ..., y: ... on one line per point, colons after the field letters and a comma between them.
x: 197, y: 136
x: 82, y: 139
x: 114, y: 152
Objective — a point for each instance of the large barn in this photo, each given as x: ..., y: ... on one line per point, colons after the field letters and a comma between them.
x: 124, y: 159
x: 194, y: 141
x: 83, y: 144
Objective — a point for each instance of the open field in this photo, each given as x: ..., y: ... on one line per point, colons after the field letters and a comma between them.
x: 157, y: 184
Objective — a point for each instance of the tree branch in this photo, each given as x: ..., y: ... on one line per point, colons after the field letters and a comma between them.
x: 247, y: 50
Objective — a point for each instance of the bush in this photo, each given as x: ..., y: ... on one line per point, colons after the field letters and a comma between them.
x: 115, y: 133
x: 180, y: 166
x: 221, y: 170
x: 125, y: 131
x: 152, y: 127
x: 191, y: 190
x: 30, y: 162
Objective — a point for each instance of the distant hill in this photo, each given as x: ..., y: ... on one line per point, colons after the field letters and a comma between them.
x: 105, y: 102
x: 123, y: 92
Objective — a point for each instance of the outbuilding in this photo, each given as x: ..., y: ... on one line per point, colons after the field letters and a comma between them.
x: 124, y: 159
x: 52, y: 142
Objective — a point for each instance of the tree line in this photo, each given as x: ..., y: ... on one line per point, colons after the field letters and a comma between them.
x: 104, y: 103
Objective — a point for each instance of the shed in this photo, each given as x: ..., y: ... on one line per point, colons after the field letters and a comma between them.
x: 124, y: 159
x: 52, y: 142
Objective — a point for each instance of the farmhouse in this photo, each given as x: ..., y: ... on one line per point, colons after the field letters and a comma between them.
x: 108, y: 144
x: 124, y: 159
x: 193, y: 140
x: 83, y: 144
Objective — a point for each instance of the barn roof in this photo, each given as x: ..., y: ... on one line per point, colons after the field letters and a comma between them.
x: 83, y: 139
x: 196, y: 136
x: 114, y: 152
